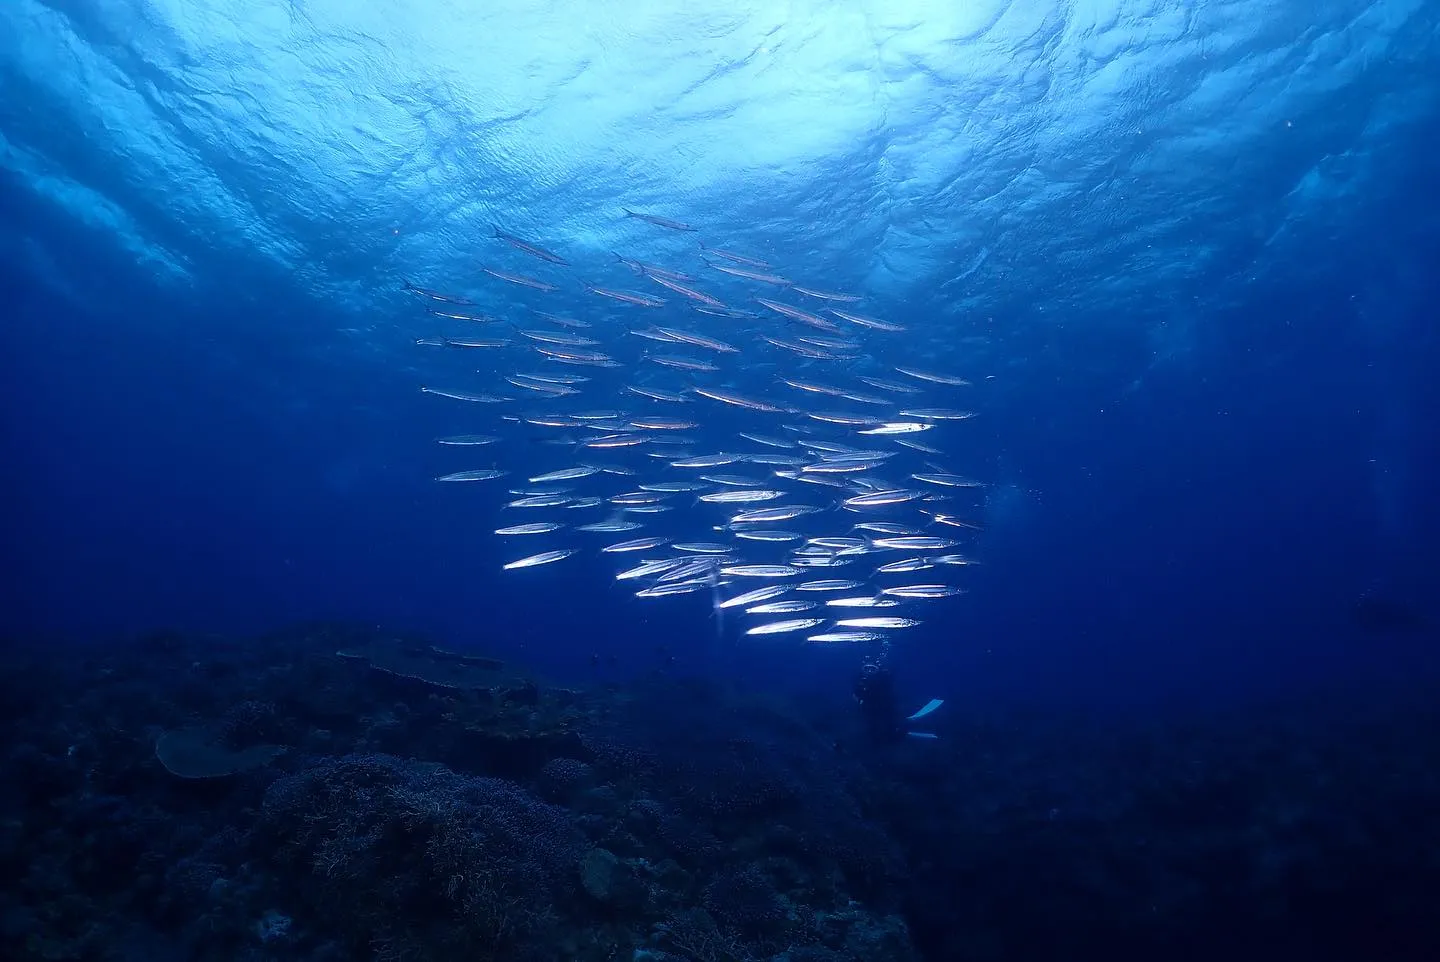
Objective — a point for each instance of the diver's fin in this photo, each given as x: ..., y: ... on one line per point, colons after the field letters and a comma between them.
x: 930, y: 706
x: 922, y: 734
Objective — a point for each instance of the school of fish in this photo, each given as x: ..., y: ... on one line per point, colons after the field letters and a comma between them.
x: 746, y: 439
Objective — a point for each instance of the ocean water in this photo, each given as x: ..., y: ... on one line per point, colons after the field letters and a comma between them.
x: 1159, y: 278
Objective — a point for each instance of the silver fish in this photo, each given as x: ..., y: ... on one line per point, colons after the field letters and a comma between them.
x: 467, y: 439
x: 610, y: 527
x: 780, y: 513
x: 750, y: 275
x: 628, y: 297
x: 647, y: 569
x: 655, y: 394
x: 905, y: 566
x: 532, y: 249
x: 462, y: 396
x: 543, y: 558
x: 827, y: 295
x: 842, y: 637
x: 878, y: 621
x: 436, y: 295
x: 540, y: 501
x: 746, y: 496
x: 755, y: 597
x: 635, y: 544
x: 915, y: 543
x: 898, y: 427
x: 781, y: 627
x: 770, y: 536
x: 947, y: 480
x: 735, y: 258
x: 782, y: 607
x: 662, y: 424
x: 878, y: 498
x: 681, y: 363
x: 698, y: 296
x: 481, y: 475
x: 769, y: 442
x: 565, y: 474
x: 698, y: 340
x: 658, y: 221
x: 938, y: 414
x: 874, y: 323
x: 729, y: 397
x: 934, y: 378
x: 708, y: 460
x: 675, y: 588
x: 760, y: 571
x: 538, y: 527
x: 862, y: 601
x: 923, y: 591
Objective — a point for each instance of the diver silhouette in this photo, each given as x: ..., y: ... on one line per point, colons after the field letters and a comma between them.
x: 875, y: 694
x: 879, y: 708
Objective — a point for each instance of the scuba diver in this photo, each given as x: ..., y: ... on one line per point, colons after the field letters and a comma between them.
x: 879, y: 710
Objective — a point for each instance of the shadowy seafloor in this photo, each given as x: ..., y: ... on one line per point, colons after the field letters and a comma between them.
x: 333, y: 793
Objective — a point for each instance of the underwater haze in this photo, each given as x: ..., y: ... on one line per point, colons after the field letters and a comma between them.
x: 1087, y: 346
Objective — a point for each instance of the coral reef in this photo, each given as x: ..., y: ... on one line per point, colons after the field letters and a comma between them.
x: 331, y: 793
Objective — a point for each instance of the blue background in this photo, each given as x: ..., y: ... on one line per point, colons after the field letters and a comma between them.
x: 1189, y: 250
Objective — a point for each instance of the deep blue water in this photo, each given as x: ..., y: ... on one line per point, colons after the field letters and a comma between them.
x: 1187, y: 251
x: 1186, y: 254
